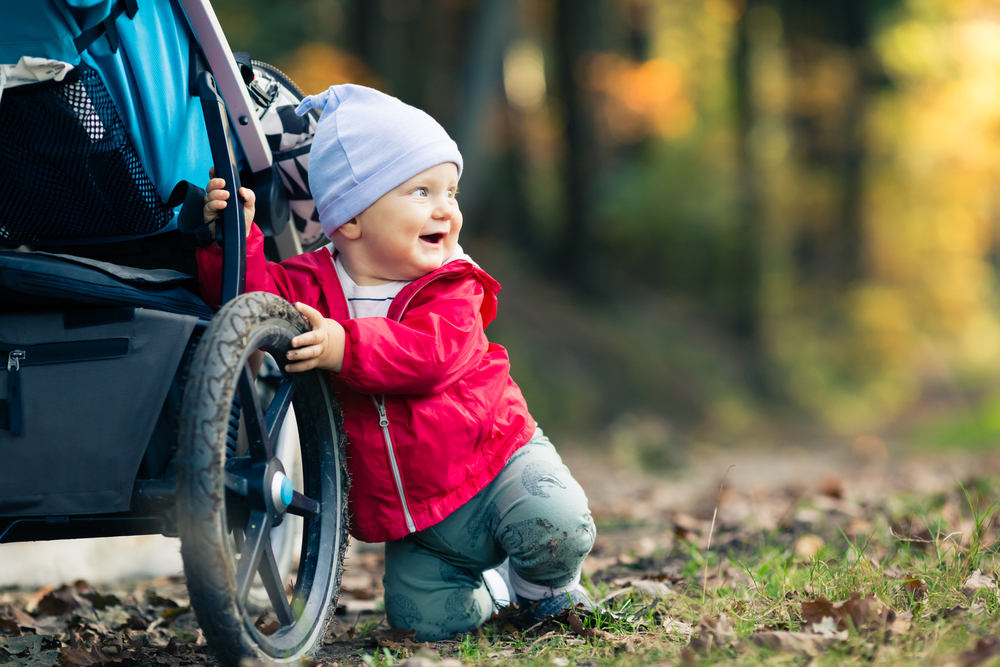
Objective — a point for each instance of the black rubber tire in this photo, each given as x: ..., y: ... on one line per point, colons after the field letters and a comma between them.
x: 208, y: 511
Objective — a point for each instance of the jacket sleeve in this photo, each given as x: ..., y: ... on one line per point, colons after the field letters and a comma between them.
x: 438, y: 341
x: 262, y: 276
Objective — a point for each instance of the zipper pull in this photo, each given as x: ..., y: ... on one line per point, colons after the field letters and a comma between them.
x: 383, y: 420
x: 15, y: 418
x: 14, y: 359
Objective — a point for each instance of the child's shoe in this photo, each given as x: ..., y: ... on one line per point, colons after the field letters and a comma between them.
x: 498, y: 584
x: 538, y: 609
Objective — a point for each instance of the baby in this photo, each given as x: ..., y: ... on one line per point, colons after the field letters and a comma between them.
x: 448, y: 467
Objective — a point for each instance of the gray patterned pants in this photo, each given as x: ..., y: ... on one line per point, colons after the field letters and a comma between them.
x: 534, y: 512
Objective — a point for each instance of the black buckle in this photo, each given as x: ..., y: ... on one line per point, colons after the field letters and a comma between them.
x: 107, y: 27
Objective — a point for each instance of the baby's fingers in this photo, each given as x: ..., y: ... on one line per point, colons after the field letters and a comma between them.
x: 306, y: 352
x: 215, y: 184
x: 303, y: 359
x: 313, y: 316
x: 306, y: 339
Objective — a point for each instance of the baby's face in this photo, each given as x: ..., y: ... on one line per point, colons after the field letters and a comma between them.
x: 412, y: 229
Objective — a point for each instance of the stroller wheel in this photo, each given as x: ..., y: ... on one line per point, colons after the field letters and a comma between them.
x: 234, y: 495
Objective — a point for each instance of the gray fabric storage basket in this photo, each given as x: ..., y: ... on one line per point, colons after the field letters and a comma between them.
x: 88, y: 410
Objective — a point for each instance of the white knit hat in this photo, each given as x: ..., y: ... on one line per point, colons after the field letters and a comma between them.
x: 366, y: 144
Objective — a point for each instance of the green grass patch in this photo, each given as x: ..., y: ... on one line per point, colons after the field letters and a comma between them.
x: 917, y: 586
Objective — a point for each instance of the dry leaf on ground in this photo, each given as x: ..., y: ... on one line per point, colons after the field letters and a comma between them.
x: 985, y: 648
x: 712, y: 633
x: 863, y: 614
x: 793, y: 642
x: 976, y: 582
x: 809, y: 546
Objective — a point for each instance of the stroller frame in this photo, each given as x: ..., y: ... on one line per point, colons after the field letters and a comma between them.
x: 223, y: 487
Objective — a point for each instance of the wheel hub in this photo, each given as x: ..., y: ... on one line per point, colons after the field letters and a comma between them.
x: 277, y: 489
x: 264, y: 485
x: 282, y: 491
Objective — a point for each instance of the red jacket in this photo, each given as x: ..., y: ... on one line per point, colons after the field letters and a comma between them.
x: 453, y: 415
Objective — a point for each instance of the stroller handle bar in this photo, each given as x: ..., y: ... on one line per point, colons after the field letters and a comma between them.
x: 208, y: 32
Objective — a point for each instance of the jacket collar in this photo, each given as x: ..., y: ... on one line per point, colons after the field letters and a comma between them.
x: 456, y: 269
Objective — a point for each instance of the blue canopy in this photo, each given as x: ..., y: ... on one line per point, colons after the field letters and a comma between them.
x: 147, y: 77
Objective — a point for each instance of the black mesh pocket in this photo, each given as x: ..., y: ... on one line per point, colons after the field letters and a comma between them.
x: 67, y: 169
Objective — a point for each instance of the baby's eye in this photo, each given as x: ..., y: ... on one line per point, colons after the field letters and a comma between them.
x: 453, y: 193
x: 422, y: 192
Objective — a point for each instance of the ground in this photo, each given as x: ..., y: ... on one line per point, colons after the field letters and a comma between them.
x: 834, y: 554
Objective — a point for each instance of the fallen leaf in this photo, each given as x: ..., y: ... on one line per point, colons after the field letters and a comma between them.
x: 985, y: 648
x: 866, y: 613
x: 828, y: 628
x: 954, y: 610
x: 12, y: 613
x: 577, y: 626
x: 809, y: 546
x: 976, y: 582
x: 173, y: 612
x: 156, y: 601
x: 832, y: 487
x: 901, y: 624
x: 712, y: 633
x: 31, y: 602
x: 395, y: 639
x: 915, y: 588
x: 686, y: 527
x: 80, y: 657
x: 815, y: 611
x: 9, y: 628
x: 805, y: 643
x: 679, y: 627
x: 655, y: 589
x: 266, y: 624
x: 55, y: 605
x: 102, y: 602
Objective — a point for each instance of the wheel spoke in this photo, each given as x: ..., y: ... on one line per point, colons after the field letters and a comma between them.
x: 303, y: 506
x: 270, y: 576
x: 258, y: 437
x: 258, y: 536
x: 278, y: 408
x: 237, y: 483
x: 239, y: 539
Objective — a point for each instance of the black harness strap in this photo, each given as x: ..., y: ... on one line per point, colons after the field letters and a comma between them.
x: 107, y: 26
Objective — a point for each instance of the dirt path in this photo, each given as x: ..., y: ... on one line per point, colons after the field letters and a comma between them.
x: 640, y: 517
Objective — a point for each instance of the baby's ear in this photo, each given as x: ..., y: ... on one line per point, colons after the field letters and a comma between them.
x: 350, y: 230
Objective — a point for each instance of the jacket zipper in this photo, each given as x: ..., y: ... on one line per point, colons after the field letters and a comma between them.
x: 383, y: 421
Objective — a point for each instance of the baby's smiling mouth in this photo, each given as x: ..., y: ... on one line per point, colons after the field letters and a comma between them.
x: 432, y: 238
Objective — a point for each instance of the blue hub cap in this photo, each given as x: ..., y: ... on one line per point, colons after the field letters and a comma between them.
x: 282, y: 491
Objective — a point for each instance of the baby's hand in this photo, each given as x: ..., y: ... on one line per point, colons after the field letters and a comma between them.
x: 215, y: 201
x: 323, y: 347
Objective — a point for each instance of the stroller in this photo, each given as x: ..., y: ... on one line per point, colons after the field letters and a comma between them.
x: 131, y: 407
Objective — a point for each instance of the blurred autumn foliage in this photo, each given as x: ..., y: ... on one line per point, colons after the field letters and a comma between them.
x: 813, y: 181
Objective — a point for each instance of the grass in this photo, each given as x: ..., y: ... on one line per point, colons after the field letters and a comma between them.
x: 916, y: 558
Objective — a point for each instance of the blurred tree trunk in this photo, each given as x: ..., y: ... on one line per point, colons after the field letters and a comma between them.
x: 822, y: 36
x: 745, y: 276
x: 576, y: 27
x: 491, y: 28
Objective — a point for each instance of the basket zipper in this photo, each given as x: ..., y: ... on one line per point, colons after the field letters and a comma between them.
x: 11, y: 412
